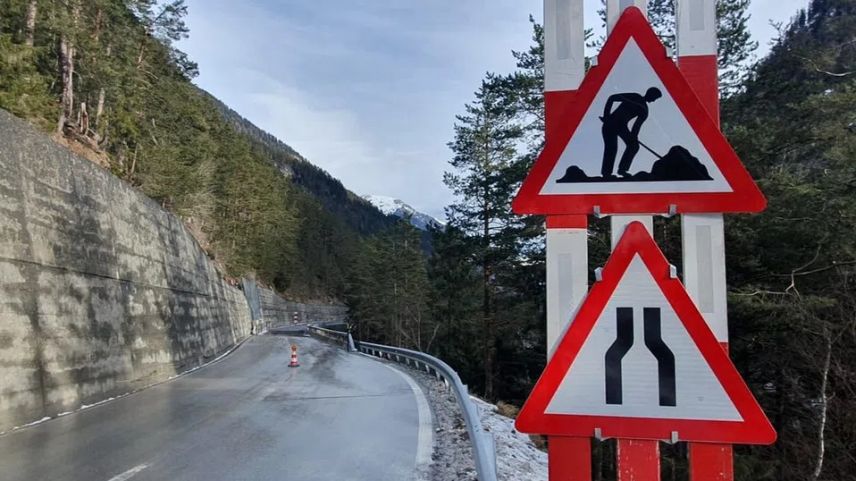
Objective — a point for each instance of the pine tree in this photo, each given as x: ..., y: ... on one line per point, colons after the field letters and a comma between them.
x: 388, y: 290
x: 456, y: 303
x: 163, y: 22
x: 734, y: 48
x: 107, y: 75
x: 407, y: 282
x: 791, y: 269
x: 484, y: 181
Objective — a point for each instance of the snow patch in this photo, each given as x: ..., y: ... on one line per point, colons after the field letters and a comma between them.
x: 46, y: 418
x: 398, y: 208
x: 516, y: 456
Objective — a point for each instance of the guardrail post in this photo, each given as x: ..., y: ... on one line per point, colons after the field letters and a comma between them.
x: 489, y: 456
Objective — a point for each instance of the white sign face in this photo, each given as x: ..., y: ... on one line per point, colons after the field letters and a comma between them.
x: 634, y: 139
x: 639, y: 361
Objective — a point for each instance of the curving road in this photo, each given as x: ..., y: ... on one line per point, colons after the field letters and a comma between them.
x: 247, y: 417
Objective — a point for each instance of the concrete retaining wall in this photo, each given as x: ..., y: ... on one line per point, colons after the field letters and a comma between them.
x: 101, y: 290
x: 278, y: 311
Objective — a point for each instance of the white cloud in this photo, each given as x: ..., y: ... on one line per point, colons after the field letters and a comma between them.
x: 368, y: 89
x: 763, y: 12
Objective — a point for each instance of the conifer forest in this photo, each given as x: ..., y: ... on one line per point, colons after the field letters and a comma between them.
x: 107, y: 79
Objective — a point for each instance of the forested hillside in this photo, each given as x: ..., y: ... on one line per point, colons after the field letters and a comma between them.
x: 792, y: 118
x: 792, y: 268
x: 358, y: 213
x: 106, y: 78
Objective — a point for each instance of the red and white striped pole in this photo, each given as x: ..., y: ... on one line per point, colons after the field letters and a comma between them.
x: 703, y: 235
x: 619, y: 222
x: 567, y: 235
x: 567, y: 252
x: 637, y: 460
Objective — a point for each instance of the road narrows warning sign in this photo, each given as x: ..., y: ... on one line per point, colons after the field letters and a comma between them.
x: 636, y: 140
x: 640, y: 362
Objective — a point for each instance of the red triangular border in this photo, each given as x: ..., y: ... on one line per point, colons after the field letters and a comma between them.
x: 746, y: 196
x: 755, y: 428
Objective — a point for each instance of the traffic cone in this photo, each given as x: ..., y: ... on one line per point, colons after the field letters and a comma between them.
x: 294, y: 362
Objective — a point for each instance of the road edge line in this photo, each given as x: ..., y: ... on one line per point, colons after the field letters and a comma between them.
x: 129, y: 473
x: 425, y: 435
x: 85, y: 407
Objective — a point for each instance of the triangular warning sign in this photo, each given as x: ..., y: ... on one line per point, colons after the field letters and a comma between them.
x: 639, y: 361
x: 636, y: 139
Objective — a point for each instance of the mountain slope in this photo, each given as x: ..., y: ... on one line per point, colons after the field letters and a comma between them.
x: 119, y: 92
x: 359, y: 214
x: 398, y: 208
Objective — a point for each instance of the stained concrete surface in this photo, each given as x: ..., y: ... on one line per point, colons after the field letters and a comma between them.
x: 102, y: 291
x: 279, y: 311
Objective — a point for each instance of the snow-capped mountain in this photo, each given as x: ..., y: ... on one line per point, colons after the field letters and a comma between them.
x: 398, y: 208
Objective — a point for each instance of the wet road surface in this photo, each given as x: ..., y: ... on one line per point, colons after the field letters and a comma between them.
x: 339, y: 416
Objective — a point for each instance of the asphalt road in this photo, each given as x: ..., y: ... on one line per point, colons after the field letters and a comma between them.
x: 247, y: 417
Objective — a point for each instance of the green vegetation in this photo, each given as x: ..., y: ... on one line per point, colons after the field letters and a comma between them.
x: 388, y: 289
x: 791, y: 269
x: 105, y: 76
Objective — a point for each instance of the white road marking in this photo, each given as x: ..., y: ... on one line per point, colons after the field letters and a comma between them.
x: 83, y: 407
x: 129, y: 473
x: 425, y: 437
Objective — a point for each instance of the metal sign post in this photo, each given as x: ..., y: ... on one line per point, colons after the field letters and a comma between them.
x: 637, y: 460
x: 567, y: 235
x: 644, y: 359
x: 703, y: 235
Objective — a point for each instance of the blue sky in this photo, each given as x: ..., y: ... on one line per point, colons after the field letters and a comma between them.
x: 368, y: 89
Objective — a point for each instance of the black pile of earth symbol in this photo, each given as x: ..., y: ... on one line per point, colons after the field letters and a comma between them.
x: 576, y: 174
x: 677, y: 165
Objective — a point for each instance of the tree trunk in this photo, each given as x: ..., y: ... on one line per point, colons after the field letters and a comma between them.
x: 66, y: 68
x: 489, y: 357
x: 99, y: 109
x: 66, y: 75
x: 30, y: 22
x: 821, y: 442
x: 96, y: 32
x: 83, y: 119
x: 487, y: 312
x: 396, y: 319
x: 134, y: 166
x: 102, y: 95
x: 142, y: 53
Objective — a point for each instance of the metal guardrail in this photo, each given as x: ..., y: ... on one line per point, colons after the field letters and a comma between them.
x: 343, y: 338
x: 484, y: 447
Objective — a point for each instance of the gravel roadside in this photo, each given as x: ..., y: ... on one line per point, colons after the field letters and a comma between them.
x: 452, y: 460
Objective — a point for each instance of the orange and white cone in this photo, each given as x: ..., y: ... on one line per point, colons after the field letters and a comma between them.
x: 294, y: 362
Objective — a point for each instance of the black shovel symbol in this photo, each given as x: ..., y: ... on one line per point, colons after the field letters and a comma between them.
x: 678, y: 164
